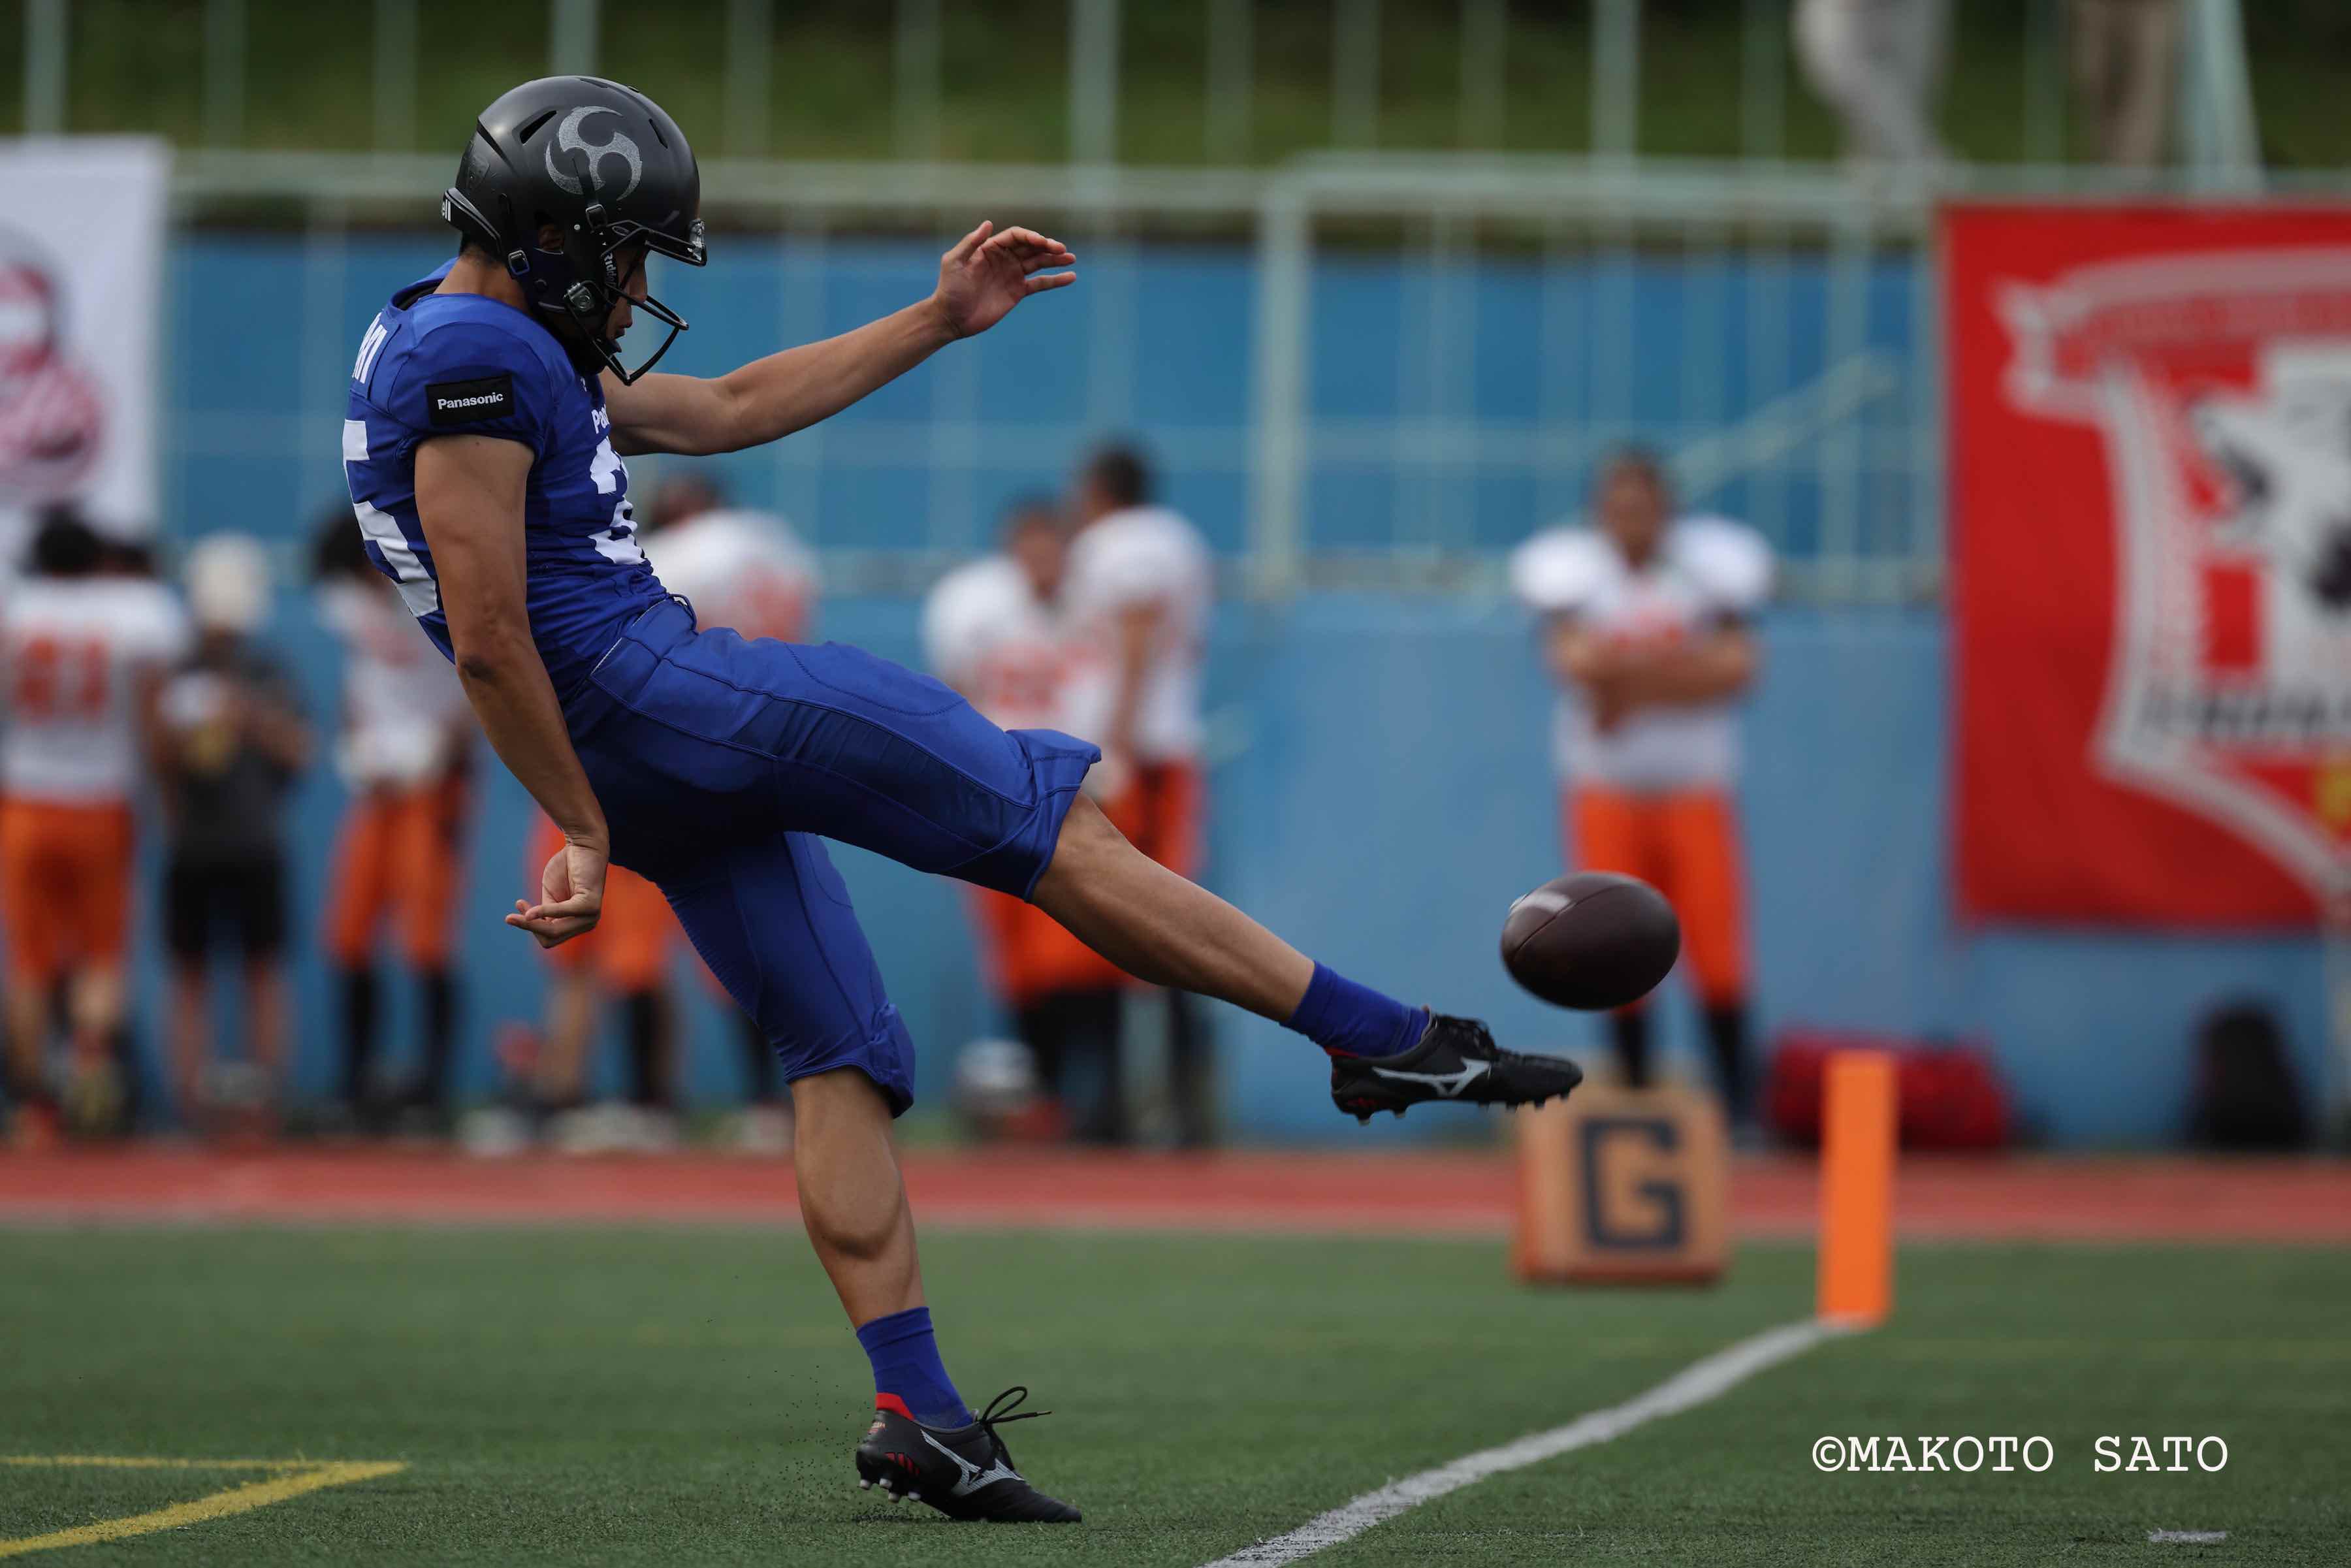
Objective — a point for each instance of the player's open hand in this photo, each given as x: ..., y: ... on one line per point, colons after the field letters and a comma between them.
x: 989, y: 271
x: 571, y: 896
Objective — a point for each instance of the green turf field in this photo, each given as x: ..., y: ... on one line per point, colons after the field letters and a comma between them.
x: 690, y: 1396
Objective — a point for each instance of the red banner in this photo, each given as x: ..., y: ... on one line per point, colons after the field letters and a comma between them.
x: 2150, y: 505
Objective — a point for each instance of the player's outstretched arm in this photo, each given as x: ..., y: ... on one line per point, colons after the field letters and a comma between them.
x: 980, y: 280
x: 469, y: 496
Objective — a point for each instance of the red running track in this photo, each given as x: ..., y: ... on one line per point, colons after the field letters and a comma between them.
x: 2022, y: 1197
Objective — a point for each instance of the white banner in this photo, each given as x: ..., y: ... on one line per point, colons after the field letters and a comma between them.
x: 81, y: 277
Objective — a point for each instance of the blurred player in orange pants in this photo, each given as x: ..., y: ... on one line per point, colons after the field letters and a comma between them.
x: 1140, y: 584
x: 405, y: 752
x: 82, y: 654
x: 1647, y: 628
x: 992, y: 630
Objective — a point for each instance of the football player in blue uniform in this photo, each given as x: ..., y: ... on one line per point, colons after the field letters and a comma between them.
x: 489, y: 415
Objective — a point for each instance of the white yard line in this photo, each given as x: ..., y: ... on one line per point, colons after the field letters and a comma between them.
x: 1692, y: 1386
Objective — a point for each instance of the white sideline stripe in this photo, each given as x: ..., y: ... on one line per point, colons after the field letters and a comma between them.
x: 1692, y: 1386
x: 2187, y: 1537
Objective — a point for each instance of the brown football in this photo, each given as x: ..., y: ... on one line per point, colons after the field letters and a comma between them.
x: 1591, y: 940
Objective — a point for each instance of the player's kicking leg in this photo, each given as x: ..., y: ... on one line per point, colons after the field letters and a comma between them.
x: 701, y: 746
x: 1159, y: 927
x: 835, y: 742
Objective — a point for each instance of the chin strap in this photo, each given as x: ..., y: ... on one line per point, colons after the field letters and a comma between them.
x: 580, y: 301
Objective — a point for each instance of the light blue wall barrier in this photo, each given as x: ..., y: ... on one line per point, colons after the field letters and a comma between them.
x: 1391, y: 796
x: 1155, y: 339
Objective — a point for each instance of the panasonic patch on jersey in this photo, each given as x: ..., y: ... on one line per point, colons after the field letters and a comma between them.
x: 468, y: 403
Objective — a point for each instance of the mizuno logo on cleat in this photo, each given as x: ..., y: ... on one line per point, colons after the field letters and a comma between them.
x: 972, y: 1478
x: 1448, y: 1085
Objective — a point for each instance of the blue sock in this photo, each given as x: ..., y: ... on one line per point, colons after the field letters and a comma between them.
x: 1349, y: 1019
x: 908, y: 1374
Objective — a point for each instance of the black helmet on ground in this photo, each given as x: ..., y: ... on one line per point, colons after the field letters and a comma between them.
x: 607, y: 167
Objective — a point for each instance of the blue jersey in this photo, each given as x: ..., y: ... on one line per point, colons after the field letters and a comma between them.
x: 722, y: 764
x: 464, y: 364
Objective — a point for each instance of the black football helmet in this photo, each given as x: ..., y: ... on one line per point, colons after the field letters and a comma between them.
x: 604, y: 164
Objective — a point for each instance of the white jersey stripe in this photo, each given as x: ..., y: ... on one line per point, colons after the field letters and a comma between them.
x: 369, y: 347
x: 417, y: 589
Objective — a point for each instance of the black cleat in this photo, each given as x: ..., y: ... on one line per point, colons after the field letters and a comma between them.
x: 965, y: 1473
x: 1456, y: 1060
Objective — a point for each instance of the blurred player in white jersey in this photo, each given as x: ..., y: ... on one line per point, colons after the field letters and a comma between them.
x: 1646, y: 628
x: 749, y: 572
x: 405, y: 753
x: 83, y: 656
x: 1141, y: 585
x: 992, y: 629
x: 742, y: 569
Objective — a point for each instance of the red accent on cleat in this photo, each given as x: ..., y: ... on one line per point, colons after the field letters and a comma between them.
x: 891, y: 1402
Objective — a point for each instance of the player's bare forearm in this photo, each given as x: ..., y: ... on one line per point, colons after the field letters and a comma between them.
x: 281, y: 736
x: 980, y: 280
x: 1576, y: 655
x: 1138, y: 627
x: 158, y: 747
x: 469, y: 497
x: 1718, y: 666
x: 771, y: 398
x: 160, y: 750
x: 506, y: 683
x: 508, y: 688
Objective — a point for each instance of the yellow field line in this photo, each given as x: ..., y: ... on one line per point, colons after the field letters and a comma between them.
x: 140, y: 1462
x: 296, y: 1477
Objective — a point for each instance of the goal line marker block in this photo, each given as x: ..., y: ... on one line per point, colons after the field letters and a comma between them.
x: 1624, y: 1187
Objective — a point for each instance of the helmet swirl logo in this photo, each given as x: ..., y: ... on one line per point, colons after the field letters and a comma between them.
x: 617, y: 145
